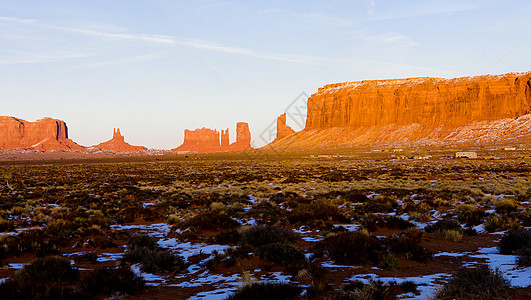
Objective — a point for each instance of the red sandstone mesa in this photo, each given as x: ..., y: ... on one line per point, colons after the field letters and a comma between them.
x: 282, y: 129
x: 117, y: 143
x: 418, y: 111
x: 207, y: 140
x: 45, y: 134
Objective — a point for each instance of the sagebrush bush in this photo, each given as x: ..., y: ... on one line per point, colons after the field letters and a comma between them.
x: 309, y: 212
x: 514, y: 240
x: 389, y: 262
x: 506, y: 206
x: 408, y: 246
x: 259, y: 235
x: 267, y: 291
x: 476, y: 283
x: 493, y: 223
x: 154, y: 261
x: 110, y: 281
x: 359, y: 291
x: 142, y: 241
x: 443, y: 225
x: 372, y: 222
x: 285, y: 255
x: 350, y: 248
x: 469, y: 215
x: 379, y: 204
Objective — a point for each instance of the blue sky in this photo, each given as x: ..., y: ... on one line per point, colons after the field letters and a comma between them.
x: 154, y: 68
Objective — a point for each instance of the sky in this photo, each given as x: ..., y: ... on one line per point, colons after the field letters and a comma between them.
x: 156, y: 67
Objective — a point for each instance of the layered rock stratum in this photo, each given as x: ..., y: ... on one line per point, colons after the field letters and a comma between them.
x: 206, y: 140
x: 45, y: 134
x: 479, y: 110
x: 118, y: 143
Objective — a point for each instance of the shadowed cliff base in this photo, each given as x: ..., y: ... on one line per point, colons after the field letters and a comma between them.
x: 481, y: 110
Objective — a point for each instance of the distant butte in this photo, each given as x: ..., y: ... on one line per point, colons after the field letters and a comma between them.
x: 45, y: 135
x: 207, y: 140
x: 282, y: 129
x: 117, y: 143
x: 479, y: 110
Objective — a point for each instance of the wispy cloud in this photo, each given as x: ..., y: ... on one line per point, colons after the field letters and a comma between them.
x: 421, y: 9
x: 166, y: 40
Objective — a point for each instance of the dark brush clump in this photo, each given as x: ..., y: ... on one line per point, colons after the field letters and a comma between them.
x: 443, y: 225
x: 267, y: 291
x: 143, y: 250
x: 350, y: 248
x: 110, y: 281
x: 259, y: 235
x: 477, y: 283
x: 408, y: 245
x: 283, y: 254
x: 310, y: 212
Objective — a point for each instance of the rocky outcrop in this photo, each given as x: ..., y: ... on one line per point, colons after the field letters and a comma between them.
x: 207, y: 140
x: 418, y: 111
x: 45, y: 134
x: 282, y: 129
x: 117, y: 143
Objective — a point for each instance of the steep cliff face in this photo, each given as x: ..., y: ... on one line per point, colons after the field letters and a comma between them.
x: 45, y: 134
x: 430, y: 111
x: 207, y: 140
x: 282, y: 129
x: 117, y: 143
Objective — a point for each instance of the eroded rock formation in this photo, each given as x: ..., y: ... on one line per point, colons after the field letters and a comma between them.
x: 117, y: 143
x: 282, y: 129
x: 418, y: 111
x: 207, y: 140
x: 45, y: 134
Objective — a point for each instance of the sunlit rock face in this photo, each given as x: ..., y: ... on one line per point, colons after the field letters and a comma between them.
x: 429, y: 111
x: 282, y: 129
x: 207, y: 140
x: 45, y: 134
x: 117, y: 143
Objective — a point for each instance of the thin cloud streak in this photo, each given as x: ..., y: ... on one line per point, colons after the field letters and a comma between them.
x: 168, y: 40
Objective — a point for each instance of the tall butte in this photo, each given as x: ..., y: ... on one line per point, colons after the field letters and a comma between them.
x: 480, y: 110
x: 45, y: 134
x: 207, y: 140
x: 117, y: 143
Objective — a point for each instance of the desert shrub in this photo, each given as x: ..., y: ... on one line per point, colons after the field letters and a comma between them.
x: 51, y: 268
x: 45, y: 278
x: 356, y: 197
x: 316, y: 211
x: 350, y: 248
x: 514, y: 240
x: 141, y: 241
x: 454, y: 235
x: 257, y: 236
x: 477, y: 283
x: 389, y: 262
x: 283, y: 254
x: 229, y: 236
x: 493, y: 223
x: 372, y: 222
x: 505, y: 206
x: 469, y: 215
x: 359, y: 291
x: 210, y: 221
x: 409, y: 287
x: 379, y: 204
x: 154, y: 261
x: 442, y: 225
x: 6, y: 225
x: 267, y: 291
x: 408, y: 246
x: 111, y: 281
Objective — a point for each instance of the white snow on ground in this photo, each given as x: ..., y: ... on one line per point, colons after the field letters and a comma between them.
x: 215, y: 280
x: 349, y: 227
x: 154, y: 230
x: 151, y: 279
x: 427, y: 285
x: 190, y: 249
x: 453, y: 254
x: 305, y: 234
x: 16, y: 266
x: 518, y: 277
x: 214, y: 295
